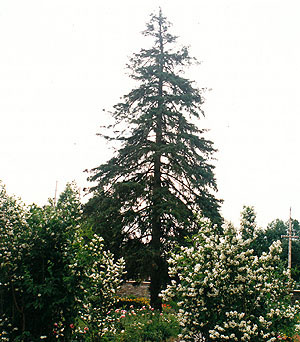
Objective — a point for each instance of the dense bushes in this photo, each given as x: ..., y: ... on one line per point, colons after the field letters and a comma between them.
x: 227, y: 293
x: 58, y: 283
x: 51, y: 276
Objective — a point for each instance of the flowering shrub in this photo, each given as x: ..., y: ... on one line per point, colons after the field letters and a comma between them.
x: 227, y: 293
x: 100, y: 279
x: 37, y: 286
x: 48, y: 272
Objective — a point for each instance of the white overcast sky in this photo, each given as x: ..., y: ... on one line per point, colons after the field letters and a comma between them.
x: 63, y: 61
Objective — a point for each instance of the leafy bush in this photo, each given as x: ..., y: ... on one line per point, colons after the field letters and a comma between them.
x: 49, y: 273
x: 37, y: 287
x: 227, y: 293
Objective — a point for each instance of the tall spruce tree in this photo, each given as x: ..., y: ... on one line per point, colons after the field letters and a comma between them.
x: 148, y: 194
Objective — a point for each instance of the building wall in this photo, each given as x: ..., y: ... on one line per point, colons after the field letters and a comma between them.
x: 130, y: 288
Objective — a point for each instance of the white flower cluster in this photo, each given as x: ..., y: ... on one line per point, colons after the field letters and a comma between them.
x: 101, y: 277
x: 227, y: 293
x: 12, y: 226
x: 4, y: 324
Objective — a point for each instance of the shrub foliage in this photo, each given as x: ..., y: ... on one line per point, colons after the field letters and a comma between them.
x: 50, y: 276
x: 225, y: 292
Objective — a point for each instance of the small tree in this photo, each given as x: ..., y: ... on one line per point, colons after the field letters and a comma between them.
x: 248, y: 222
x: 227, y: 293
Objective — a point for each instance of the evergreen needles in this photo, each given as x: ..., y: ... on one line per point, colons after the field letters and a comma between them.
x: 147, y: 195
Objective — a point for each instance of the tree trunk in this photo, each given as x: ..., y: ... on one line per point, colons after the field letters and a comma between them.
x: 156, y: 276
x: 156, y: 272
x: 157, y: 260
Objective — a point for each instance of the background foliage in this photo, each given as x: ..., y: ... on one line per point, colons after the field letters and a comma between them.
x: 265, y: 236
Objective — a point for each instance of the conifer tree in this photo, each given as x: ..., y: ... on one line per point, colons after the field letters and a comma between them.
x: 248, y: 222
x: 148, y: 194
